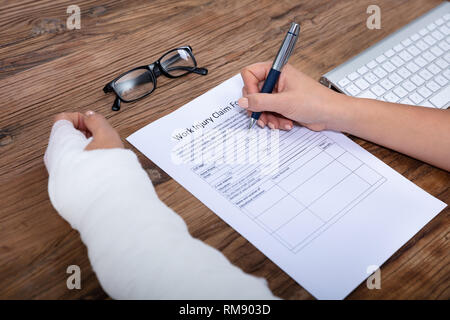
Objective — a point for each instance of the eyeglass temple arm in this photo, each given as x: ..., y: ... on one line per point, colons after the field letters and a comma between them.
x: 201, y: 71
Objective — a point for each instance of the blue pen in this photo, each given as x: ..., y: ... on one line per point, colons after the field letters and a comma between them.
x: 281, y: 59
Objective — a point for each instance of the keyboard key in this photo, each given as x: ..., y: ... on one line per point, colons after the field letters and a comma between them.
x: 409, y: 86
x: 367, y: 94
x: 433, y: 68
x: 447, y: 16
x: 371, y: 78
x: 430, y: 40
x: 415, y: 37
x: 397, y: 61
x: 387, y: 84
x: 433, y: 86
x: 416, y: 98
x: 411, y: 66
x: 389, y: 67
x: 395, y: 78
x: 436, y: 51
x: 421, y: 62
x: 444, y: 46
x: 437, y: 35
x: 431, y: 26
x: 406, y: 42
x: 362, y: 84
x: 440, y: 80
x: 439, y: 21
x: 445, y: 30
x: 352, y: 90
x: 381, y: 58
x: 414, y: 50
x: 427, y: 104
x: 428, y: 56
x: 380, y: 73
x: 399, y: 47
x: 446, y: 73
x: 389, y: 53
x: 405, y: 55
x: 391, y: 97
x: 362, y: 70
x: 424, y: 92
x: 372, y: 64
x: 353, y: 76
x: 424, y: 73
x: 343, y: 82
x: 400, y: 92
x: 447, y: 56
x: 379, y: 91
x: 423, y: 31
x: 422, y: 45
x: 407, y: 101
x: 417, y: 80
x: 442, y: 98
x: 403, y: 72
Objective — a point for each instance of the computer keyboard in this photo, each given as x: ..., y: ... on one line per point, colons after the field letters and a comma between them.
x: 412, y: 70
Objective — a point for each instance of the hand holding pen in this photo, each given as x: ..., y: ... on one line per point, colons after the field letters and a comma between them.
x: 281, y: 59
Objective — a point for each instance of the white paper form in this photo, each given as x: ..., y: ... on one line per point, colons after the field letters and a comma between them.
x: 325, y: 210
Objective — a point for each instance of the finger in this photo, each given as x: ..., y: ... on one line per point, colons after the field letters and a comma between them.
x: 262, y: 121
x: 260, y: 85
x: 75, y: 117
x: 104, y: 135
x: 272, y: 121
x: 254, y: 74
x: 262, y: 102
x: 244, y: 91
x: 96, y: 123
x: 285, y: 124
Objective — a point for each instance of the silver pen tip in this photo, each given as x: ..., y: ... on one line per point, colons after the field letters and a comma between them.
x: 252, y: 123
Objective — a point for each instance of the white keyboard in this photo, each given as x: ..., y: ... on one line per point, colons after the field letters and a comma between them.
x: 414, y: 71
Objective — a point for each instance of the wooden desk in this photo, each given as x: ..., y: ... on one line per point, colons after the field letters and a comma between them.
x: 46, y: 69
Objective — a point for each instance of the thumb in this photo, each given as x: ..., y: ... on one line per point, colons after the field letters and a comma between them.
x: 105, y: 137
x: 260, y: 102
x: 96, y: 123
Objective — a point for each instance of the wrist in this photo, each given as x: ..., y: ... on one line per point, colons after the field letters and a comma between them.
x: 340, y: 112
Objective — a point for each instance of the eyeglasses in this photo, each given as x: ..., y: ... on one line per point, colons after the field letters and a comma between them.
x: 141, y: 81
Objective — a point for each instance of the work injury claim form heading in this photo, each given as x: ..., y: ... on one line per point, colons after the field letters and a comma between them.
x: 318, y: 205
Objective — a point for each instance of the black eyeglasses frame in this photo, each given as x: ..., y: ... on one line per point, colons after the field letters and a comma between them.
x: 155, y: 70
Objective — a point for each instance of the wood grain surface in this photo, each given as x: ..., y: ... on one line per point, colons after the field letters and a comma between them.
x: 46, y: 69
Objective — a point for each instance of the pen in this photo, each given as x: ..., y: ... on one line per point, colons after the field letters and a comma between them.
x: 280, y: 60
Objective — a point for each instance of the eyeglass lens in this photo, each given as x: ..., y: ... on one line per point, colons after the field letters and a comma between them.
x: 135, y: 84
x: 177, y: 63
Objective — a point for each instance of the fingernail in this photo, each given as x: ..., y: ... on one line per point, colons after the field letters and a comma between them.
x: 243, y: 103
x: 260, y: 123
x: 90, y: 113
x: 287, y: 126
x: 271, y: 126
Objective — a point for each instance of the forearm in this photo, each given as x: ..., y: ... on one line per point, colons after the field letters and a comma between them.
x: 419, y: 132
x: 138, y: 247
